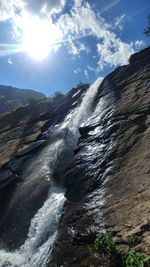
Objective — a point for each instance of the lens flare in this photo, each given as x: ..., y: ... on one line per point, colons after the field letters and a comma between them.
x: 39, y: 37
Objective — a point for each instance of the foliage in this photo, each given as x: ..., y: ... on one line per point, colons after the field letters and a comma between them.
x: 58, y: 95
x: 104, y: 243
x: 56, y: 98
x: 136, y: 259
x: 17, y: 107
x: 50, y: 98
x: 133, y: 240
x: 147, y: 30
x: 33, y: 99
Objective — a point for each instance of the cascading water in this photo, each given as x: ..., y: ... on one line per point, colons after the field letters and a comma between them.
x: 43, y: 228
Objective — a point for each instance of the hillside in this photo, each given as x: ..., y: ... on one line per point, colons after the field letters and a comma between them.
x: 11, y: 97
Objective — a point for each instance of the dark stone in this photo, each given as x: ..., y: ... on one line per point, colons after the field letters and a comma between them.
x: 143, y: 55
x: 34, y: 146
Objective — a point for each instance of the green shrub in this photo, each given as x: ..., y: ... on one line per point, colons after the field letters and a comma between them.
x: 133, y: 240
x: 105, y: 244
x: 136, y: 259
x: 32, y: 99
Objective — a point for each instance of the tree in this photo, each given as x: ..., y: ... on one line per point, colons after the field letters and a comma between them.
x: 57, y: 96
x: 32, y: 99
x: 147, y: 30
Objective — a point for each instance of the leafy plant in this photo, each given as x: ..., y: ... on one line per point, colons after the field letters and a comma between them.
x: 104, y: 243
x: 133, y: 240
x: 136, y: 259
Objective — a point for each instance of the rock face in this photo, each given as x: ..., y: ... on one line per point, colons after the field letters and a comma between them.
x: 23, y: 135
x: 108, y: 181
x: 11, y: 97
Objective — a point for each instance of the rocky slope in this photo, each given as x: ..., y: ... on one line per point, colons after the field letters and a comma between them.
x: 23, y: 134
x: 11, y: 97
x: 108, y: 181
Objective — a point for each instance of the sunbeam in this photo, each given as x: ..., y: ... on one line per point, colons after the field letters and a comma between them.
x: 10, y: 49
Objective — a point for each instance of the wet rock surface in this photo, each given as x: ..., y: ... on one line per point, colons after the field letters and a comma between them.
x: 108, y: 181
x: 24, y: 135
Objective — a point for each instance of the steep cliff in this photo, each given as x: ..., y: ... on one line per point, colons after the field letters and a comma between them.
x: 108, y: 180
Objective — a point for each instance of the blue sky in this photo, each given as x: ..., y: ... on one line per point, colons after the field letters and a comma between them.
x: 87, y: 39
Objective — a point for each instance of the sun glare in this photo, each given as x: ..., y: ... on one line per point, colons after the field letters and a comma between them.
x: 39, y: 38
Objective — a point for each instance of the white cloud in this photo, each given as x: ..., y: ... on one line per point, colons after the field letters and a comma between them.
x: 78, y: 70
x: 78, y: 3
x: 110, y: 6
x: 81, y: 21
x: 8, y: 8
x: 10, y: 61
x: 11, y: 8
x: 90, y: 68
x: 46, y: 6
x: 76, y: 47
x: 86, y: 74
x: 119, y: 21
x: 113, y: 52
x: 139, y: 44
x: 84, y: 48
x: 111, y: 49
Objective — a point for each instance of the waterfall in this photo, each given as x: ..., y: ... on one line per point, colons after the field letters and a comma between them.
x: 36, y: 250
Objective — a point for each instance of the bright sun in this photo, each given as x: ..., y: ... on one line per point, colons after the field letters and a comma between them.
x: 39, y: 37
